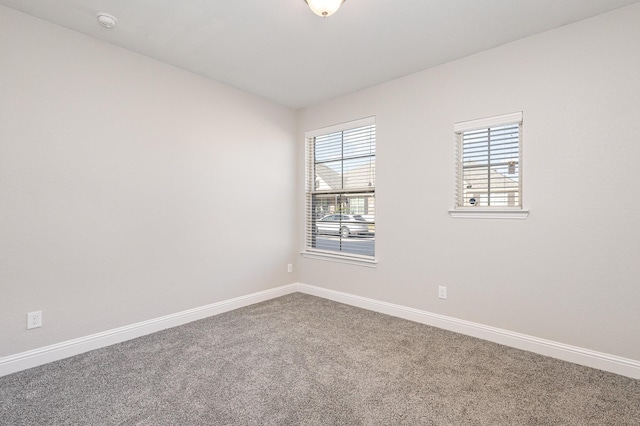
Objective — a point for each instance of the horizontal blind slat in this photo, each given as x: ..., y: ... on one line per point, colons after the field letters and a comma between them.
x: 343, y: 165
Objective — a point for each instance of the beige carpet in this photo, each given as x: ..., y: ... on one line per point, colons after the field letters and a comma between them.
x: 302, y: 360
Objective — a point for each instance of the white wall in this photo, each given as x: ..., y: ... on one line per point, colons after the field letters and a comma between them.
x: 569, y: 273
x: 130, y: 189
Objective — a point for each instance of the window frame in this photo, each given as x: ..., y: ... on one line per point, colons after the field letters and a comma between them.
x: 331, y: 255
x: 487, y: 212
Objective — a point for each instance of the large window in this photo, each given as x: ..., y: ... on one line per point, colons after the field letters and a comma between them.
x: 488, y: 158
x: 341, y: 190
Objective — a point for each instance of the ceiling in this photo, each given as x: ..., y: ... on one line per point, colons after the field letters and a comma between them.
x: 280, y: 50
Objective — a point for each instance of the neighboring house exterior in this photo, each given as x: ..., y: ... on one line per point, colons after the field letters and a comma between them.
x: 360, y: 202
x: 505, y: 191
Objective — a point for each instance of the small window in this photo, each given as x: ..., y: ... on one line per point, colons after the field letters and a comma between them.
x: 489, y: 167
x: 340, y: 192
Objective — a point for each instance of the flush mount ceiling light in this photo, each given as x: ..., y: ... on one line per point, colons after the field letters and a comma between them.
x: 324, y: 8
x: 106, y: 20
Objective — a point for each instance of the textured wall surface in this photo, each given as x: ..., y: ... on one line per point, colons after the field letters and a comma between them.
x: 569, y: 272
x: 130, y: 189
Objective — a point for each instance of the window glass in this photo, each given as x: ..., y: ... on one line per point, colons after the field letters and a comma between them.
x: 341, y: 190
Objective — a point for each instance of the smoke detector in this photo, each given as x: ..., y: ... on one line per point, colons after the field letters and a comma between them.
x: 106, y: 20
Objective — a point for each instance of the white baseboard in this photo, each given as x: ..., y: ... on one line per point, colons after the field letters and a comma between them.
x: 623, y: 366
x: 602, y: 361
x: 44, y: 355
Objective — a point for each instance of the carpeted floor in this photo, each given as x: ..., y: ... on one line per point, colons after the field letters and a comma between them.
x: 302, y: 360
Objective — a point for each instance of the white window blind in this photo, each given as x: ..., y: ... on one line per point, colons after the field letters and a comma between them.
x: 340, y: 190
x: 488, y: 158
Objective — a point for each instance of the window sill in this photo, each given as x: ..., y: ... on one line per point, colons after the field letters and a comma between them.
x: 340, y: 258
x: 488, y: 213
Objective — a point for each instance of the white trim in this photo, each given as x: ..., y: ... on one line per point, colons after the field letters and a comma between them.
x: 367, y: 121
x: 310, y: 191
x: 58, y: 351
x: 615, y: 364
x: 341, y: 258
x: 602, y: 361
x: 488, y: 213
x: 482, y: 123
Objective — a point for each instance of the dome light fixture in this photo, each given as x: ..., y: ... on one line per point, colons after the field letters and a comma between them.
x: 324, y: 8
x: 106, y: 20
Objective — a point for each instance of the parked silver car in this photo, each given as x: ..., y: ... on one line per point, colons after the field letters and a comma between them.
x: 344, y: 225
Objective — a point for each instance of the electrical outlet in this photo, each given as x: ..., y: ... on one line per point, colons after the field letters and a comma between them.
x: 34, y: 320
x: 442, y: 292
x: 290, y: 267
